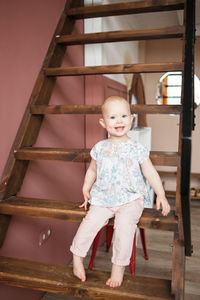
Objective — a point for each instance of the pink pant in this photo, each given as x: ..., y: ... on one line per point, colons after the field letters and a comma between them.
x: 126, y: 218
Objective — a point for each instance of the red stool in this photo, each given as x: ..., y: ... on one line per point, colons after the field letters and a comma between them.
x: 109, y: 235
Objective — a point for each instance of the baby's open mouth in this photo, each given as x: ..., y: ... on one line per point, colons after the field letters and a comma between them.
x: 119, y: 128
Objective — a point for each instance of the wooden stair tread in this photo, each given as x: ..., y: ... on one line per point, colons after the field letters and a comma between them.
x: 60, y: 279
x: 115, y: 69
x: 83, y: 155
x: 172, y: 194
x: 60, y: 154
x: 70, y: 211
x: 119, y: 36
x: 124, y: 8
x: 174, y: 173
x: 96, y: 109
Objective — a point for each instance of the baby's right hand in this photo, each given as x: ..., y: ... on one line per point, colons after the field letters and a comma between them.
x: 86, y: 195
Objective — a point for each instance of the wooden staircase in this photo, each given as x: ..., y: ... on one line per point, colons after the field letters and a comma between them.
x: 57, y: 278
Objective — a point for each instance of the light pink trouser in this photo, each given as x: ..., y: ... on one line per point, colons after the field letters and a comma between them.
x: 126, y: 219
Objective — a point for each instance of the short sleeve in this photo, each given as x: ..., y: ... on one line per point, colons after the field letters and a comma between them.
x: 93, y: 152
x: 143, y: 153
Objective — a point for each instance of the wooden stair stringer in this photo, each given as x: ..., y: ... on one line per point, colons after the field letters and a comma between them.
x: 178, y: 253
x: 178, y: 263
x: 15, y: 170
x: 60, y: 279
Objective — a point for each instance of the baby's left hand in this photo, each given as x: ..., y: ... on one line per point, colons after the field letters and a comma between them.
x: 161, y: 201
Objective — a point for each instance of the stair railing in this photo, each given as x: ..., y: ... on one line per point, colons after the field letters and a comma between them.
x: 187, y: 122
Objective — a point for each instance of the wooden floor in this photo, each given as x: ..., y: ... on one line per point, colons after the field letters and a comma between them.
x: 159, y: 245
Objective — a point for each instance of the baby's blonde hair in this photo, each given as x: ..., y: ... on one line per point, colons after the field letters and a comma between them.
x: 113, y: 99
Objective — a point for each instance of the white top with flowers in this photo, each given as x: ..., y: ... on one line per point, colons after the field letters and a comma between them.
x: 119, y: 177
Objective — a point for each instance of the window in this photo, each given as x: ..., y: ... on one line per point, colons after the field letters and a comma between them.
x: 169, y: 89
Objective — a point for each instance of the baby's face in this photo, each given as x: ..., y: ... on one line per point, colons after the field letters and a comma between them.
x: 117, y: 119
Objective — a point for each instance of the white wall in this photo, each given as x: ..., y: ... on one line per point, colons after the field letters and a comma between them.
x: 122, y: 52
x: 110, y: 53
x: 164, y: 127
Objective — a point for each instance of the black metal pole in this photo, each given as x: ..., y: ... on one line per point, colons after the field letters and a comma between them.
x: 188, y: 122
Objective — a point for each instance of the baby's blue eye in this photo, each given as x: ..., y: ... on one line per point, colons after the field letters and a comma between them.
x: 124, y: 116
x: 112, y: 117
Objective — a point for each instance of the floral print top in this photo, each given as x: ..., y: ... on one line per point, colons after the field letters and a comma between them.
x: 119, y: 177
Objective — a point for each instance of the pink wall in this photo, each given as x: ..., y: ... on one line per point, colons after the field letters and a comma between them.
x: 26, y: 29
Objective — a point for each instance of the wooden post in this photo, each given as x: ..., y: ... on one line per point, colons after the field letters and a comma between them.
x: 187, y: 125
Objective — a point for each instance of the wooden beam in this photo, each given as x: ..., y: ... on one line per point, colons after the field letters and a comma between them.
x: 122, y: 36
x: 60, y: 279
x: 96, y: 109
x: 178, y: 265
x: 173, y: 174
x: 4, y: 223
x: 188, y: 121
x: 56, y: 154
x: 115, y: 69
x: 82, y: 155
x: 70, y: 211
x: 172, y: 194
x: 125, y: 8
x: 160, y: 158
x: 167, y: 173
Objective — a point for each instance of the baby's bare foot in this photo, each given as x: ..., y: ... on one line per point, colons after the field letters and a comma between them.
x: 116, y: 277
x: 78, y: 267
